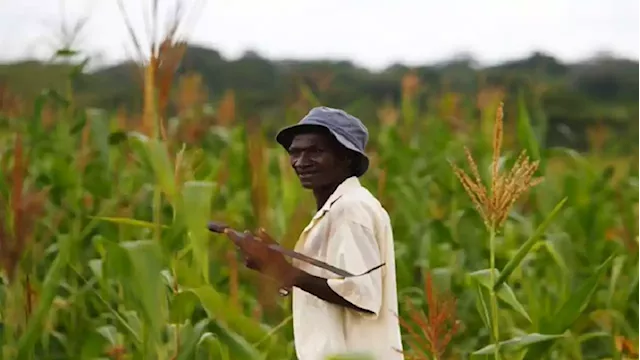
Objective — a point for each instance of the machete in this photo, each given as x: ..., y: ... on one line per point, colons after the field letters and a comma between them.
x: 220, y: 228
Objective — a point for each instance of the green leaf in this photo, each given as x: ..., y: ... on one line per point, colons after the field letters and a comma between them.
x: 93, y: 345
x: 569, y: 312
x: 238, y: 347
x: 162, y: 168
x: 190, y: 337
x: 219, y: 308
x: 504, y: 293
x: 182, y: 306
x: 481, y: 305
x: 209, y: 347
x: 50, y: 285
x: 127, y: 221
x: 526, y: 135
x: 526, y: 247
x: 66, y: 52
x: 517, y: 343
x: 136, y: 265
x: 99, y: 126
x: 146, y: 259
x: 552, y: 249
x: 109, y: 332
x: 196, y: 198
x: 616, y: 270
x: 577, y: 302
x: 77, y: 69
x: 593, y: 335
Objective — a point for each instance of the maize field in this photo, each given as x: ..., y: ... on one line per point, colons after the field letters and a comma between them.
x: 105, y: 254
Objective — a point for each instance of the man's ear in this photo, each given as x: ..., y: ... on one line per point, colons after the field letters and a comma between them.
x: 345, y: 156
x: 350, y: 161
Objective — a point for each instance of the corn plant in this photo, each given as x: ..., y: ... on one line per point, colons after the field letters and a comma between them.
x: 104, y: 251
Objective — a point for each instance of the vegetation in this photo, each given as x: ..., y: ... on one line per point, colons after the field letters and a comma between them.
x: 567, y: 102
x: 104, y: 251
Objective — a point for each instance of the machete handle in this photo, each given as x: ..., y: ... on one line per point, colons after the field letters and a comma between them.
x: 217, y: 227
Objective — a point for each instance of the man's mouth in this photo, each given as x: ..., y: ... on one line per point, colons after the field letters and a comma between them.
x: 306, y: 175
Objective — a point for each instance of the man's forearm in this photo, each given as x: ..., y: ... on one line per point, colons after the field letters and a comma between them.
x: 319, y: 287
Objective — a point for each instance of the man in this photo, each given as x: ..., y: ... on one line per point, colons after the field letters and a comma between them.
x: 351, y: 230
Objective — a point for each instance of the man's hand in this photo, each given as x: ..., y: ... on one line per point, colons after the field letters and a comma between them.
x: 259, y: 257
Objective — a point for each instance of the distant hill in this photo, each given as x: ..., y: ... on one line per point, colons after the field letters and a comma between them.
x: 572, y: 95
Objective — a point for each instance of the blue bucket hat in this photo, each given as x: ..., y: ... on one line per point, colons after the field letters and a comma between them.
x: 346, y: 128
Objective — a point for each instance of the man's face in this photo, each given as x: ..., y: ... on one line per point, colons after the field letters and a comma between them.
x: 317, y: 160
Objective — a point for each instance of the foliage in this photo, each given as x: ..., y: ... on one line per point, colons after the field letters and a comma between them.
x: 567, y: 99
x: 115, y: 261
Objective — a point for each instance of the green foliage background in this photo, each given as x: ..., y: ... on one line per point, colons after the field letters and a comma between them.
x: 118, y: 264
x: 570, y: 97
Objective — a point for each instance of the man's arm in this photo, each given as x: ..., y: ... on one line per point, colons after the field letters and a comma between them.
x: 319, y: 287
x: 273, y: 264
x: 352, y: 246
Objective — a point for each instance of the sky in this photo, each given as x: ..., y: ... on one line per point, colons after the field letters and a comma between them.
x: 371, y: 33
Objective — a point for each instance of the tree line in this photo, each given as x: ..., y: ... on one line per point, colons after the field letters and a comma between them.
x: 600, y: 91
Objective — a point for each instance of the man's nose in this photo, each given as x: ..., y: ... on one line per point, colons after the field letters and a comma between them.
x: 301, y: 161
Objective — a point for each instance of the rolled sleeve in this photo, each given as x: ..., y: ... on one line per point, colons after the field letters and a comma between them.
x: 353, y: 247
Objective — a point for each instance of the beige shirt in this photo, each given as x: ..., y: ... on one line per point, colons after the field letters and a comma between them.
x: 353, y: 232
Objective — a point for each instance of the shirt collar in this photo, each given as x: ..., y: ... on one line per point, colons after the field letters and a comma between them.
x: 346, y: 186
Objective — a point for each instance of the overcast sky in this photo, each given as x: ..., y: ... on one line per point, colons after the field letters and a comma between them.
x: 372, y: 33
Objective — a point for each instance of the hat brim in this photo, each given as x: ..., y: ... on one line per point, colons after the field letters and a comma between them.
x: 286, y: 135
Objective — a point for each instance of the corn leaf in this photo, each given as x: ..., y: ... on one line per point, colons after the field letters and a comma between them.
x: 515, y: 261
x: 517, y: 343
x: 504, y: 293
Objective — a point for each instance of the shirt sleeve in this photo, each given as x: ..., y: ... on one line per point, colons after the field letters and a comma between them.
x: 353, y: 247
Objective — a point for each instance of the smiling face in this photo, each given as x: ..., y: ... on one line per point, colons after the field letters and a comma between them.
x: 319, y: 160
